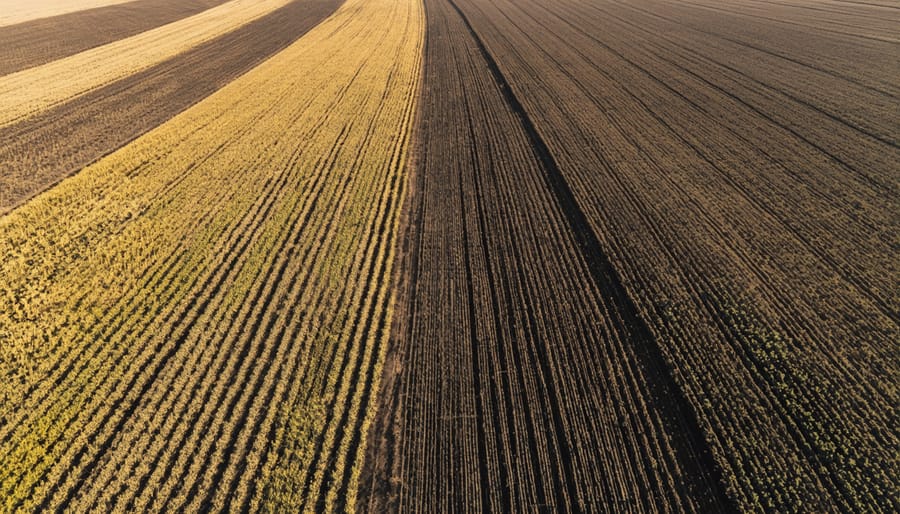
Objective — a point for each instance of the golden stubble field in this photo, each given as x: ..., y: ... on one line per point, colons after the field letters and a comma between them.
x: 198, y: 320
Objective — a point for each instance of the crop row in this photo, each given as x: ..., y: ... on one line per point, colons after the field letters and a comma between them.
x: 206, y: 308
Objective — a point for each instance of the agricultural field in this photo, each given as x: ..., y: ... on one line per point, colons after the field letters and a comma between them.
x: 47, y: 39
x: 67, y: 78
x: 14, y: 11
x: 204, y: 327
x: 449, y: 256
x: 99, y: 121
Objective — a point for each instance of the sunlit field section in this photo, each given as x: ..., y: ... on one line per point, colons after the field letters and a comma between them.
x: 17, y: 11
x: 29, y: 91
x: 198, y: 320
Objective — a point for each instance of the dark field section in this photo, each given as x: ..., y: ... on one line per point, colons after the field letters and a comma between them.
x: 651, y: 262
x: 39, y: 151
x: 528, y: 378
x: 36, y: 42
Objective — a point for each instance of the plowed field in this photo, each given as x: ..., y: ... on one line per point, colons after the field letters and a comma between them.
x: 652, y: 261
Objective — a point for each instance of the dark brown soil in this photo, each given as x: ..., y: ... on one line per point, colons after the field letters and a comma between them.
x: 654, y: 260
x: 521, y: 375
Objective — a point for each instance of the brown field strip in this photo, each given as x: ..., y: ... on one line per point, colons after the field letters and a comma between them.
x: 746, y: 191
x: 41, y: 150
x: 36, y: 42
x: 526, y: 379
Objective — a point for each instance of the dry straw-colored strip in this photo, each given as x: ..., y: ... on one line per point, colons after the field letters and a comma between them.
x: 180, y: 319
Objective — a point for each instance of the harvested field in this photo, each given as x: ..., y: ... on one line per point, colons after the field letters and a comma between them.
x: 225, y: 340
x: 41, y: 150
x: 450, y: 256
x: 29, y: 44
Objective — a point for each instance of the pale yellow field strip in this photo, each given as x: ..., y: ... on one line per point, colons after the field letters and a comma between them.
x: 32, y: 90
x: 18, y: 11
x: 222, y: 282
